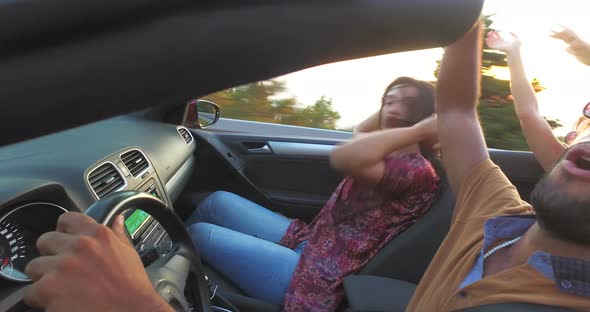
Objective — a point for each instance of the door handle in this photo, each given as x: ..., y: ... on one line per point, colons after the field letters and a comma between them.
x: 260, y: 150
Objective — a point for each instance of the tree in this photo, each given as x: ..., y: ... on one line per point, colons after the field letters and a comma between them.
x: 496, y: 110
x: 320, y: 115
x: 249, y: 102
x: 286, y: 112
x: 258, y: 102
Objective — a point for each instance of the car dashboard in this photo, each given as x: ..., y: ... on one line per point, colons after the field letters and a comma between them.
x: 70, y: 170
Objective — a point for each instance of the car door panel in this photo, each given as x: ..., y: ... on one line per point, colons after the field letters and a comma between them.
x: 288, y: 167
x: 291, y: 173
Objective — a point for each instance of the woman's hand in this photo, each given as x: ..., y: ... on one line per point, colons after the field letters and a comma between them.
x: 368, y: 125
x: 364, y: 157
x: 503, y: 41
x: 566, y: 35
x: 577, y: 47
x: 428, y: 129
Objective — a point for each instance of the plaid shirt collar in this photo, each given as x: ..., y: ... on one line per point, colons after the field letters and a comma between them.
x: 571, y: 275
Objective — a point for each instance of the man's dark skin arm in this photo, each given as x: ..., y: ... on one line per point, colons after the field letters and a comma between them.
x: 457, y: 93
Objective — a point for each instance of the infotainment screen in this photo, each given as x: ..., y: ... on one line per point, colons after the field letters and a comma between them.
x: 135, y: 220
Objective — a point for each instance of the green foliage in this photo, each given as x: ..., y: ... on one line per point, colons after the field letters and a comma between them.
x: 501, y: 126
x: 320, y: 115
x: 495, y: 89
x: 496, y: 110
x: 257, y: 102
x: 493, y: 58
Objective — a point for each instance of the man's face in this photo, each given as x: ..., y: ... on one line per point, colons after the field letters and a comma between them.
x: 574, y: 165
x: 562, y: 198
x: 397, y: 107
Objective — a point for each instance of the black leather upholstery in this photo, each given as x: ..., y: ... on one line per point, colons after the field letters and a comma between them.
x: 375, y: 293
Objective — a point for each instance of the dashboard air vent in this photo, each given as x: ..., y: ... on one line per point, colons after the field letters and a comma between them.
x: 186, y: 135
x: 105, y: 179
x: 135, y: 161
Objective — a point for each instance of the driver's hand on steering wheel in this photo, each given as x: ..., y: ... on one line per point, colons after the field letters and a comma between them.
x: 85, y: 266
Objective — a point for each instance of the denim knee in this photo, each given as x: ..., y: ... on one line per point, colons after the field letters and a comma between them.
x: 218, y: 198
x: 206, y: 210
x: 200, y: 234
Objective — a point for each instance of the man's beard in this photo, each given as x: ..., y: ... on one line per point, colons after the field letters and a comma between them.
x: 561, y: 215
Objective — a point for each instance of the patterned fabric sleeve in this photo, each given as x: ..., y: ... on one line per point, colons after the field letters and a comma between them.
x: 295, y: 234
x: 408, y: 173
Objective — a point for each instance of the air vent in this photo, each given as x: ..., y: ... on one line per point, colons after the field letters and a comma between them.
x: 186, y: 135
x: 106, y: 179
x: 135, y: 161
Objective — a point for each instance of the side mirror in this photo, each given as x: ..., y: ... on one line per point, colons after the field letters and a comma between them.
x: 200, y: 114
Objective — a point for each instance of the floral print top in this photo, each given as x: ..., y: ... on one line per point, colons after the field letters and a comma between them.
x: 355, y: 223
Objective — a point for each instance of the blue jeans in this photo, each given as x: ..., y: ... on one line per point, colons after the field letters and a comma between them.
x: 239, y: 239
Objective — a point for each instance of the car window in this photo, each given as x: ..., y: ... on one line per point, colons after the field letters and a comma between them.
x: 338, y: 96
x: 274, y: 102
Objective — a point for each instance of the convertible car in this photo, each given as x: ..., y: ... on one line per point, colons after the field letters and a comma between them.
x: 99, y: 116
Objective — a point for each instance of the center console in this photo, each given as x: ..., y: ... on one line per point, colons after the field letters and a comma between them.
x: 148, y: 236
x: 131, y: 169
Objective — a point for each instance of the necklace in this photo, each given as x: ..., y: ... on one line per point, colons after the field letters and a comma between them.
x: 504, y: 244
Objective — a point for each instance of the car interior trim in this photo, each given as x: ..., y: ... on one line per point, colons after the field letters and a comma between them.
x: 192, y: 141
x: 298, y: 149
x: 175, y: 184
x: 125, y: 183
x: 138, y: 175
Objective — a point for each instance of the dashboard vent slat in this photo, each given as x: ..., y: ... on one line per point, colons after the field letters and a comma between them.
x: 105, y: 179
x: 185, y: 134
x: 108, y: 188
x: 135, y: 161
x: 98, y: 175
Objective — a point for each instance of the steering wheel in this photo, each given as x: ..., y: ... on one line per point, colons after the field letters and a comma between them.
x: 169, y: 275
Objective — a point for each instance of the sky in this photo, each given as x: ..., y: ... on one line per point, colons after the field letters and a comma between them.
x: 355, y: 87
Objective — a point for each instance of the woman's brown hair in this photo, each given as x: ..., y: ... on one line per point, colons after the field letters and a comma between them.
x: 421, y: 109
x: 424, y: 105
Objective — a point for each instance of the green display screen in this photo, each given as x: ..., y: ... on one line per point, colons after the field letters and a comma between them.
x: 135, y: 220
